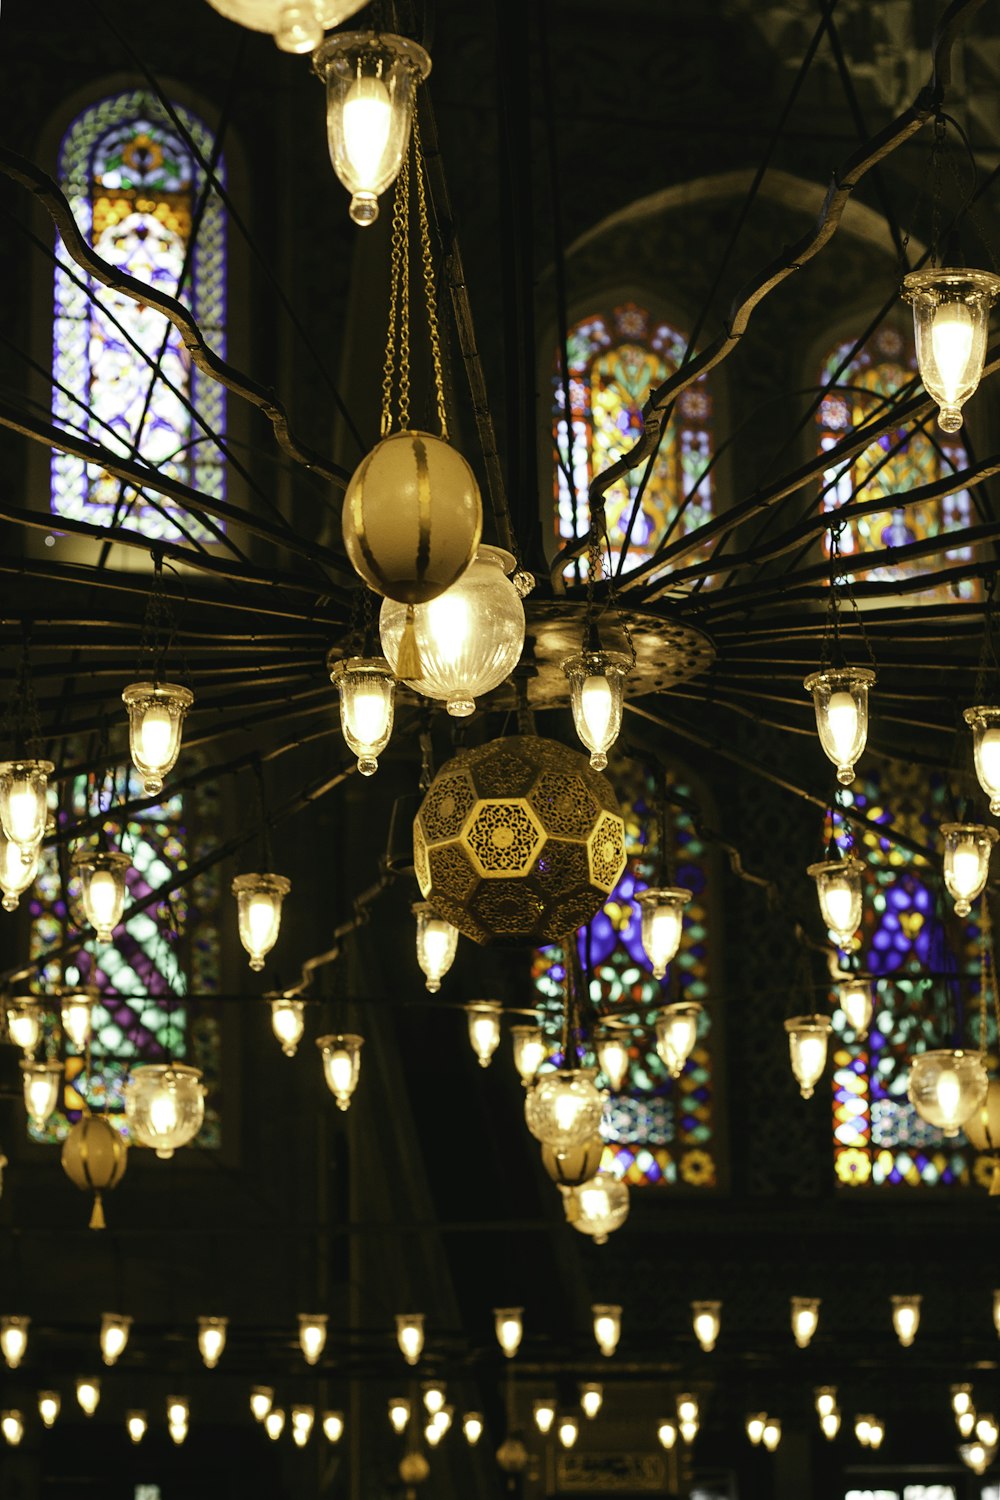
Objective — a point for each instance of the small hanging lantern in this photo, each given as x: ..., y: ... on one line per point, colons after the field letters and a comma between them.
x: 854, y: 996
x: 341, y: 1065
x: 312, y: 1336
x: 94, y: 1157
x: 544, y: 1412
x: 399, y: 1413
x: 136, y: 1425
x: 261, y: 1401
x: 563, y: 1108
x: 102, y: 875
x: 14, y: 1340
x: 987, y: 1431
x: 472, y: 1427
x: 484, y: 1028
x: 164, y: 1106
x: 805, y: 1319
x: 829, y: 1424
x: 951, y: 320
x: 591, y: 1399
x: 826, y: 1399
x: 706, y: 1321
x: 966, y: 1423
x: 876, y: 1432
x: 840, y: 698
x: 274, y: 1423
x: 530, y: 1050
x: 156, y: 713
x: 177, y: 1419
x: 17, y: 874
x: 977, y: 1456
x: 258, y: 905
x: 838, y: 885
x: 410, y: 1336
x: 303, y: 1418
x: 12, y: 1427
x: 24, y: 806
x: 288, y: 1022
x: 676, y: 1034
x: 212, y: 1340
x: 568, y: 1429
x: 947, y: 1086
x: 771, y: 1435
x: 574, y: 1168
x: 367, y: 692
x: 961, y: 1400
x: 49, y: 1407
x: 662, y: 909
x: 755, y: 1424
x: 437, y: 943
x: 434, y: 1395
x: 509, y: 1325
x: 115, y: 1329
x: 24, y: 1023
x: 613, y: 1056
x: 688, y: 1416
x: 296, y: 25
x: 88, y: 1394
x: 666, y: 1433
x: 598, y: 1206
x: 333, y: 1426
x: 42, y: 1082
x: 596, y: 686
x: 906, y: 1318
x: 967, y: 850
x: 607, y: 1326
x: 76, y: 1007
x: 985, y: 725
x: 807, y: 1042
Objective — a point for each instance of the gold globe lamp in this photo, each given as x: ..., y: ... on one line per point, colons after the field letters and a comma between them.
x: 662, y: 917
x: 530, y: 1050
x: 906, y: 1318
x: 94, y: 1158
x: 367, y: 691
x: 332, y: 1423
x: 76, y: 1010
x: 24, y: 1023
x: 312, y: 1336
x: 469, y: 638
x: 575, y: 1167
x: 613, y: 1056
x: 838, y: 886
x: 563, y: 1108
x: 855, y: 997
x: 410, y: 1336
x: 967, y: 850
x: 296, y: 25
x: 598, y: 1206
x: 164, y: 1106
x: 805, y: 1319
x: 136, y: 1425
x: 676, y: 1034
x: 12, y: 1427
x: 706, y: 1321
x: 14, y: 1340
x: 437, y: 944
x: 508, y: 1323
x: 103, y: 890
x: 287, y: 1022
x: 115, y: 1329
x: 156, y: 712
x: 24, y: 806
x: 840, y: 698
x: 258, y: 907
x: 607, y: 1317
x: 42, y: 1082
x: 17, y: 874
x: 951, y: 320
x: 807, y: 1044
x: 49, y: 1407
x: 947, y: 1086
x: 212, y: 1340
x: 591, y: 1399
x: 484, y: 1028
x: 596, y: 692
x: 985, y: 725
x: 341, y: 1065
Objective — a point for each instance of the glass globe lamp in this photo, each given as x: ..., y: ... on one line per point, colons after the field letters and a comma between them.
x: 662, y: 915
x: 607, y: 1326
x: 49, y: 1407
x: 666, y: 1433
x: 598, y: 1206
x: 12, y: 1427
x: 826, y: 1399
x: 312, y: 1336
x: 469, y: 638
x: 985, y: 725
x: 164, y: 1106
x: 333, y: 1426
x: 76, y: 1008
x: 829, y: 1424
x: 367, y: 692
x: 508, y: 1323
x: 755, y: 1424
x: 677, y: 1033
x: 771, y: 1435
x: 399, y: 1413
x: 437, y: 943
x: 24, y: 1022
x: 805, y: 1319
x: 24, y: 807
x: 42, y: 1082
x: 258, y: 906
x: 807, y: 1042
x: 967, y: 850
x: 854, y: 996
x: 136, y: 1425
x: 544, y: 1412
x: 410, y: 1336
x: 966, y: 1423
x: 102, y: 875
x: 115, y: 1329
x: 568, y: 1429
x: 341, y: 1065
x: 212, y: 1340
x: 274, y: 1423
x: 596, y: 689
x: 906, y: 1318
x: 288, y: 1022
x: 530, y: 1050
x: 261, y: 1401
x: 838, y: 886
x: 370, y: 82
x: 88, y: 1394
x: 840, y: 698
x: 706, y: 1321
x: 951, y: 317
x: 946, y: 1087
x: 433, y: 1393
x: 961, y: 1399
x: 613, y: 1056
x: 563, y: 1108
x: 977, y: 1456
x: 484, y: 1028
x: 14, y: 1340
x: 591, y: 1399
x: 17, y: 873
x: 156, y: 713
x: 472, y: 1427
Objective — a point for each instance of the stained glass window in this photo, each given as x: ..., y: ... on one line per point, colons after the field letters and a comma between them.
x: 878, y: 1136
x: 616, y: 356
x: 137, y: 194
x: 660, y: 1131
x: 159, y: 956
x: 896, y: 462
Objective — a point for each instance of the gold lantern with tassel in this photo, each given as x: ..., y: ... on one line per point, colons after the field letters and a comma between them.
x: 94, y: 1158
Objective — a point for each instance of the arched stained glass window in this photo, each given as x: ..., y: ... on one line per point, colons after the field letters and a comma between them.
x: 616, y: 356
x: 659, y: 1132
x: 878, y: 1136
x: 138, y: 196
x: 898, y: 461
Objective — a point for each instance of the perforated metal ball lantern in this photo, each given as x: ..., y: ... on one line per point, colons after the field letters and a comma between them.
x: 518, y: 842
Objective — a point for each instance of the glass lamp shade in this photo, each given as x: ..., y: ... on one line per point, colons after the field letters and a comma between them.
x: 370, y: 81
x: 946, y: 1087
x: 261, y: 1401
x: 341, y: 1065
x: 829, y: 1424
x: 596, y: 690
x: 88, y: 1394
x: 367, y: 691
x: 178, y: 1411
x: 12, y: 1427
x: 591, y: 1399
x: 807, y: 1042
x: 115, y: 1329
x: 706, y: 1321
x: 312, y: 1336
x: 961, y: 1399
x: 274, y: 1423
x: 687, y: 1408
x: 985, y: 725
x: 838, y: 885
x: 433, y: 1434
x: 951, y: 318
x: 76, y: 1007
x: 333, y: 1426
x: 102, y: 875
x: 771, y: 1435
x: 676, y: 1034
x: 24, y: 1022
x: 24, y: 807
x: 876, y: 1432
x: 966, y: 1423
x: 399, y: 1413
x: 977, y: 1456
x: 155, y: 720
x: 178, y: 1432
x: 840, y: 698
x: 296, y: 25
x: 136, y: 1425
x: 288, y: 1022
x: 568, y: 1429
x: 613, y: 1056
x: 544, y: 1412
x: 530, y: 1050
x: 508, y: 1323
x: 14, y: 1340
x: 855, y: 999
x: 563, y: 1108
x: 484, y: 1028
x: 805, y: 1319
x: 906, y: 1318
x: 258, y: 906
x: 441, y: 1420
x: 996, y: 1311
x: 410, y: 1336
x: 434, y: 1394
x: 755, y: 1424
x: 212, y: 1340
x: 607, y: 1326
x: 437, y: 943
x: 472, y: 1427
x: 49, y: 1407
x: 164, y: 1106
x: 303, y: 1419
x: 967, y: 850
x: 826, y: 1399
x: 666, y: 1433
x: 597, y: 1207
x: 469, y: 638
x: 987, y: 1431
x: 42, y: 1082
x: 662, y: 911
x: 17, y: 873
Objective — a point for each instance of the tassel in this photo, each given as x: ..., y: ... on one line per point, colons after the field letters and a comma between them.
x: 995, y: 1181
x: 97, y: 1214
x: 409, y: 667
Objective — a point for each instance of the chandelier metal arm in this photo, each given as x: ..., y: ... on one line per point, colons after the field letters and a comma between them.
x: 783, y: 594
x: 360, y: 915
x: 48, y: 194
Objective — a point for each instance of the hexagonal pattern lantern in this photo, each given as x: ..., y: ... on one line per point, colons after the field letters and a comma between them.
x: 518, y: 841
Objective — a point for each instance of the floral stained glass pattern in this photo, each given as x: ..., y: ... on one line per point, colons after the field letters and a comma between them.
x: 137, y: 194
x: 615, y: 358
x: 897, y: 462
x: 878, y: 1136
x: 660, y: 1131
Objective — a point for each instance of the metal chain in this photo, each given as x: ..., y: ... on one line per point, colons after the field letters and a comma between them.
x: 987, y: 973
x: 389, y: 364
x: 404, y: 298
x: 430, y: 284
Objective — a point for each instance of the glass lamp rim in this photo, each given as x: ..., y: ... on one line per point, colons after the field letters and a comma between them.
x: 813, y: 1025
x: 979, y: 829
x: 160, y: 1071
x: 664, y: 895
x: 367, y: 666
x: 849, y: 866
x: 334, y: 1040
x: 26, y: 763
x: 931, y: 280
x: 102, y: 859
x: 609, y: 663
x: 856, y: 676
x: 402, y: 48
x: 274, y: 885
x: 953, y: 1054
x: 139, y: 692
x: 980, y: 713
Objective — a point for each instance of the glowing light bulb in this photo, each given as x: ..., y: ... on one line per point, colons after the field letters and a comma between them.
x: 949, y: 1093
x: 961, y: 1399
x: 399, y: 1413
x: 856, y: 1002
x: 25, y: 812
x: 598, y: 706
x: 212, y: 1340
x: 771, y: 1435
x: 906, y: 1318
x: 12, y: 1427
x: 410, y: 1335
x: 662, y: 911
x: 163, y: 1111
x: 568, y: 1430
x: 839, y: 898
x: 49, y: 1406
x: 333, y: 1426
x: 288, y: 1023
x: 842, y: 716
x: 829, y: 1424
x: 591, y: 1399
x: 88, y: 1394
x: 826, y: 1399
x: 805, y: 1319
x: 666, y: 1432
x: 433, y: 1398
x: 260, y: 919
x: 966, y: 1422
x: 614, y: 1059
x: 990, y: 753
x: 303, y: 1418
x: 472, y: 1427
x: 341, y: 1065
x: 367, y: 119
x: 509, y: 1325
x: 136, y: 1425
x: 114, y: 1336
x: 41, y: 1090
x: 312, y: 1336
x: 156, y: 736
x: 566, y: 1108
x: 437, y: 942
x: 706, y: 1322
x: 607, y: 1327
x: 274, y: 1423
x: 952, y: 337
x: 545, y: 1414
x: 14, y: 1340
x: 103, y: 899
x: 530, y: 1050
x: 261, y: 1401
x: 755, y: 1427
x: 178, y: 1411
x: 24, y: 1026
x: 484, y: 1029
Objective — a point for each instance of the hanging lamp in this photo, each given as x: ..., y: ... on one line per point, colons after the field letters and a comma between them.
x: 484, y: 1028
x: 563, y: 1108
x: 984, y: 722
x: 312, y: 1336
x: 508, y: 1323
x: 967, y: 850
x: 17, y: 874
x: 212, y: 1340
x: 838, y: 886
x: 102, y: 874
x: 296, y: 25
x: 42, y: 1082
x: 367, y: 692
x: 598, y: 1206
x: 94, y: 1158
x: 530, y: 1050
x: 115, y: 1329
x: 258, y: 905
x: 14, y: 1340
x: 854, y: 996
x: 437, y: 943
x: 951, y: 320
x: 49, y: 1407
x: 906, y: 1318
x: 662, y: 913
x: 410, y: 1336
x: 24, y: 807
x: 164, y: 1106
x: 706, y: 1321
x: 613, y: 1056
x: 287, y: 1022
x: 807, y: 1044
x: 840, y: 699
x: 591, y: 1399
x: 946, y: 1086
x: 76, y: 1011
x: 156, y: 713
x: 341, y: 1065
x: 596, y: 685
x: 607, y: 1318
x: 805, y: 1319
x: 24, y: 1023
x: 676, y: 1034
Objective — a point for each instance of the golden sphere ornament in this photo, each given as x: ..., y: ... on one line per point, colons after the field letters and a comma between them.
x: 94, y: 1158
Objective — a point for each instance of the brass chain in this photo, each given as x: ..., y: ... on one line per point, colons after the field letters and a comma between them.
x: 388, y: 367
x: 404, y: 299
x: 430, y: 284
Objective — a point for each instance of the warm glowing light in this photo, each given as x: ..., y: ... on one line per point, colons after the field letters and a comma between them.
x: 563, y: 1108
x: 333, y: 1426
x: 12, y: 1427
x: 662, y: 913
x: 42, y: 1081
x: 115, y: 1330
x: 13, y: 1340
x: 807, y: 1042
x: 607, y: 1327
x: 484, y: 1028
x: 303, y: 1418
x: 399, y: 1413
x: 677, y: 1033
x: 876, y: 1432
x: 666, y: 1432
x: 437, y: 942
x: 509, y: 1325
x: 410, y: 1335
x: 951, y: 313
x: 687, y: 1408
x: 829, y: 1424
x: 568, y: 1429
x: 274, y: 1423
x: 613, y: 1057
x: 49, y: 1407
x: 261, y: 1401
x: 771, y: 1434
x: 312, y: 1336
x: 288, y: 1022
x: 985, y: 724
x: 24, y: 1023
x: 947, y: 1086
x: 258, y: 905
x: 17, y: 873
x: 164, y: 1106
x: 24, y: 807
x: 530, y: 1050
x: 441, y: 1420
x: 906, y: 1318
x: 178, y: 1411
x: 965, y: 1422
x: 212, y: 1340
x: 987, y: 1431
x: 855, y: 998
x: 367, y: 118
x: 136, y: 1425
x: 434, y: 1395
x: 591, y: 1399
x: 976, y: 1456
x: 472, y: 1427
x: 596, y: 685
x: 967, y: 850
x: 88, y: 1394
x: 598, y: 1206
x: 805, y: 1319
x: 544, y: 1412
x: 840, y: 699
x: 706, y: 1322
x: 341, y: 1065
x: 155, y: 717
x: 367, y: 691
x: 838, y: 886
x: 103, y: 890
x: 75, y: 1013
